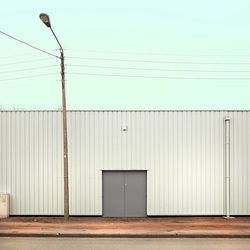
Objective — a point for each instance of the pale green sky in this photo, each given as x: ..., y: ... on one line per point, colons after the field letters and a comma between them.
x: 148, y: 39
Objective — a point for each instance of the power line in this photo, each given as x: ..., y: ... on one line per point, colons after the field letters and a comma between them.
x: 41, y: 50
x: 21, y: 70
x: 159, y: 54
x: 164, y: 77
x: 20, y: 55
x: 26, y: 77
x: 157, y: 69
x: 159, y: 61
x: 28, y: 61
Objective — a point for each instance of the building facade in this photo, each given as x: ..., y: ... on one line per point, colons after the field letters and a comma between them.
x: 127, y: 163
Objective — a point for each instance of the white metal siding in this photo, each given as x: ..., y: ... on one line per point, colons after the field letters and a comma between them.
x: 240, y: 163
x: 31, y: 162
x: 182, y: 151
x: 187, y: 155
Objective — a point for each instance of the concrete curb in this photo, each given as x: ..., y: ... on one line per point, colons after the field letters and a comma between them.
x: 80, y: 235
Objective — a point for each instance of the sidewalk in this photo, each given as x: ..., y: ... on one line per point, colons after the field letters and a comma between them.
x: 126, y: 227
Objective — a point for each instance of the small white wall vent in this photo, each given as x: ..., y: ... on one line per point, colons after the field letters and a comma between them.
x: 124, y: 128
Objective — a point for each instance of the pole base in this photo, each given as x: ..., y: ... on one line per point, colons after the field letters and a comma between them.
x: 228, y: 217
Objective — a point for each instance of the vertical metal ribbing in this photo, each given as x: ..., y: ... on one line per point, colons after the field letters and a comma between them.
x: 227, y: 164
x: 160, y: 154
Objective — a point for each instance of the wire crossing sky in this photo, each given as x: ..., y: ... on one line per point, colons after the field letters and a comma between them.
x: 127, y: 55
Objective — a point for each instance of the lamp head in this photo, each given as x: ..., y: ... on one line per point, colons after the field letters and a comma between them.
x: 45, y: 19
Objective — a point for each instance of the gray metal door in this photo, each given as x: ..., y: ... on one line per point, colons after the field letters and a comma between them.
x: 124, y: 193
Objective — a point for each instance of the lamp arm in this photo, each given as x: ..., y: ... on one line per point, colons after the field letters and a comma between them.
x: 56, y: 39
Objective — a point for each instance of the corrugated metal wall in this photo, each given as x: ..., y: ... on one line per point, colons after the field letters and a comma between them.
x: 31, y: 161
x: 240, y: 163
x: 182, y: 151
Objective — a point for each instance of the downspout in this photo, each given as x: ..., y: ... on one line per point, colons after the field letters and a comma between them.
x: 227, y: 165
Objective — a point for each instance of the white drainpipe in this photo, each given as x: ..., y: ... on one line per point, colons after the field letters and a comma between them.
x: 227, y: 164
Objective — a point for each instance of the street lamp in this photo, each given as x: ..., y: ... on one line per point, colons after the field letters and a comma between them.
x: 46, y: 20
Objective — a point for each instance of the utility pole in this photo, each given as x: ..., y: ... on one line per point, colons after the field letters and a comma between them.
x: 65, y: 142
x: 46, y: 20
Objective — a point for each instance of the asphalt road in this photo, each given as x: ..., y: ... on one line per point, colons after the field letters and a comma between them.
x: 121, y: 244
